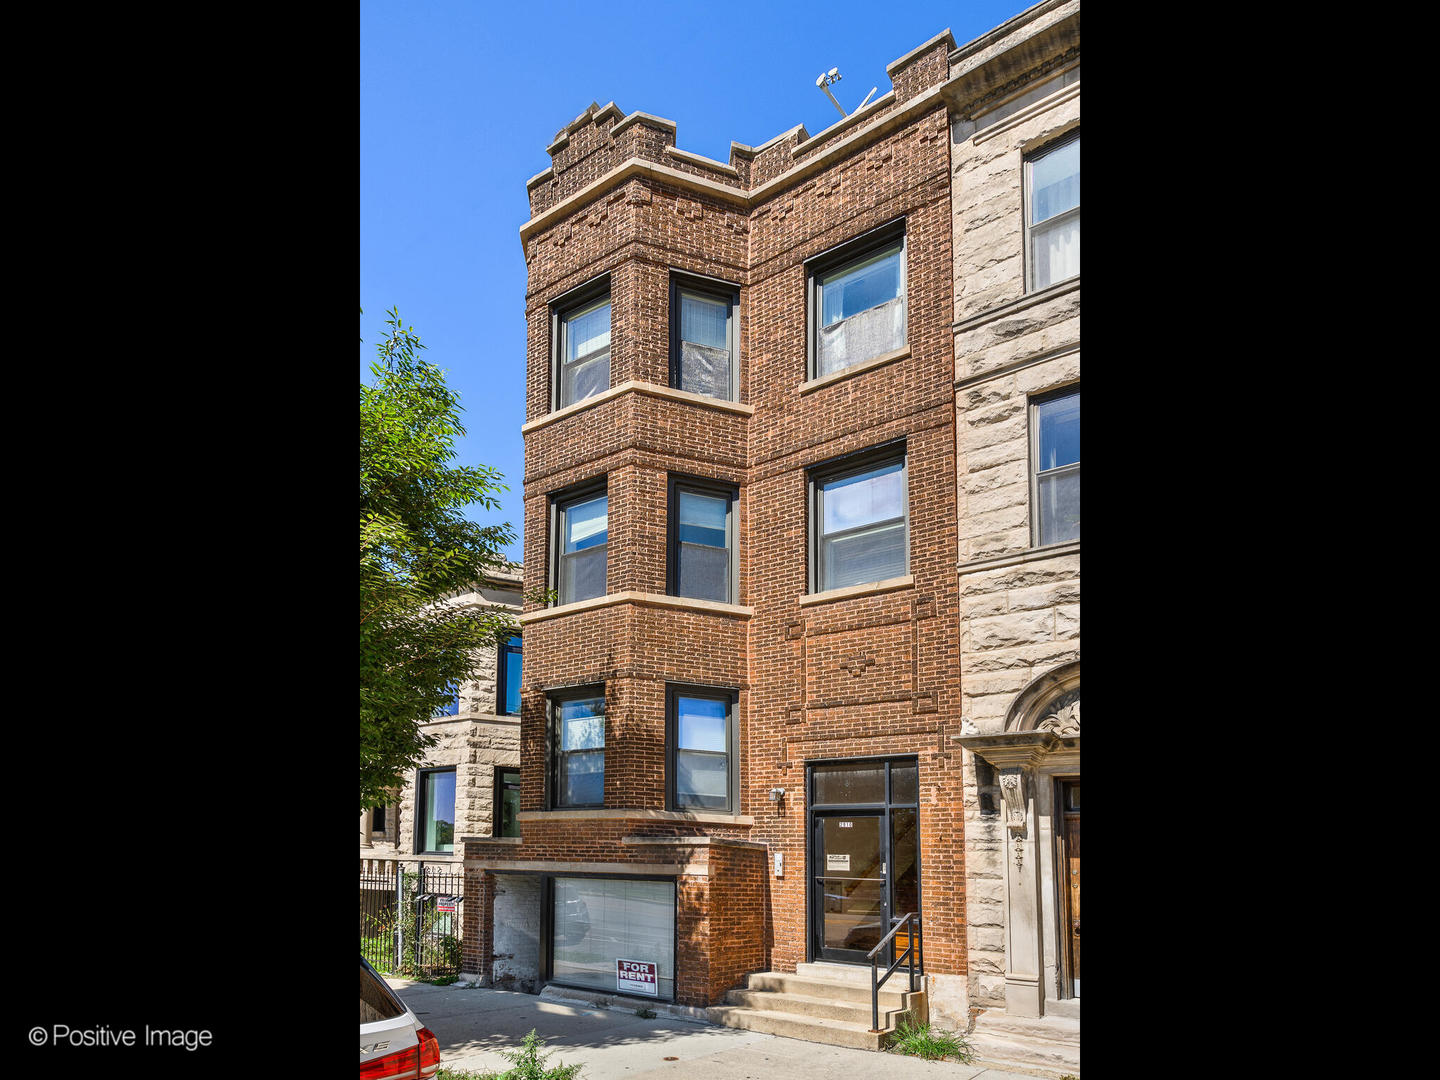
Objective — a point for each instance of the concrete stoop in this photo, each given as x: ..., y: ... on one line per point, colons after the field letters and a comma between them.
x: 819, y: 1004
x: 1040, y: 1045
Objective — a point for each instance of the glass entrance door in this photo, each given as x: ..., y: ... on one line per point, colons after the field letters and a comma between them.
x: 864, y: 855
x: 851, y: 877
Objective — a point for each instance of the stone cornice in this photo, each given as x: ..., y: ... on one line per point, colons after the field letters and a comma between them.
x: 1016, y: 365
x: 997, y: 562
x: 1022, y: 749
x: 1012, y: 307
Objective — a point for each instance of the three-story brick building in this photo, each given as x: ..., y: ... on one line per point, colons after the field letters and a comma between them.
x: 742, y: 716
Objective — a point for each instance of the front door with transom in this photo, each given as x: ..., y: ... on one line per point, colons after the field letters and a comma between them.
x: 864, y: 855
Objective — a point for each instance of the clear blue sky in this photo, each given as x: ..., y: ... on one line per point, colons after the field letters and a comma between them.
x: 459, y: 98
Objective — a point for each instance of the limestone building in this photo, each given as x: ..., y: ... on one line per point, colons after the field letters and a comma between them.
x: 469, y: 782
x: 786, y: 418
x: 1015, y: 167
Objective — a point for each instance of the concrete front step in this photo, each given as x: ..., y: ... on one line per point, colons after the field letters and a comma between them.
x: 1048, y: 1045
x: 854, y: 1012
x: 817, y: 1029
x: 817, y: 1008
x: 892, y: 994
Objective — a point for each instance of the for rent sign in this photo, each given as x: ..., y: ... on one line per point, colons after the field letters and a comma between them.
x: 637, y: 977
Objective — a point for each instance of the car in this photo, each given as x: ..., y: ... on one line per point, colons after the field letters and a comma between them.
x: 393, y: 1044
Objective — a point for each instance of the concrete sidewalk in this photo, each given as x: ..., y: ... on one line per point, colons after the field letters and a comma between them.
x: 474, y: 1025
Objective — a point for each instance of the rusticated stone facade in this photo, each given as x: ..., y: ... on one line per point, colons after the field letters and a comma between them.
x: 1015, y: 93
x: 474, y: 742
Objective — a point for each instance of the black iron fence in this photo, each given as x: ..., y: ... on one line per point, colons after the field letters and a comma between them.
x: 410, y: 917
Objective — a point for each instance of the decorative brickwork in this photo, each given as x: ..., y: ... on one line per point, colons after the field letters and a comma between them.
x: 869, y: 673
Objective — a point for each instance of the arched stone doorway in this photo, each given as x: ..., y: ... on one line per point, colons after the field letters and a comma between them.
x: 1037, y: 757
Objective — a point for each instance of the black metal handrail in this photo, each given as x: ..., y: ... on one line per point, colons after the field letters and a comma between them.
x: 876, y: 980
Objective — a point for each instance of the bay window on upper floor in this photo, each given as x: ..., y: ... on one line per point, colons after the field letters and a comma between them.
x: 580, y: 543
x: 704, y: 337
x: 702, y: 540
x: 580, y: 337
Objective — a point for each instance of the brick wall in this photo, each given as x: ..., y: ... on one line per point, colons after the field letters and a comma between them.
x: 799, y: 697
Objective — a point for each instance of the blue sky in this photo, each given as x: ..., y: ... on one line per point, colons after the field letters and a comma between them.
x: 459, y: 98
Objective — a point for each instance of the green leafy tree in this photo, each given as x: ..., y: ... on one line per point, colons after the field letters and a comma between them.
x: 417, y: 551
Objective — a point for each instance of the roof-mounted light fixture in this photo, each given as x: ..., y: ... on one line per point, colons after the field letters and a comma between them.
x: 823, y: 81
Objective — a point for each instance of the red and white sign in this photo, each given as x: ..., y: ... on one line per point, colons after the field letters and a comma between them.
x: 637, y: 977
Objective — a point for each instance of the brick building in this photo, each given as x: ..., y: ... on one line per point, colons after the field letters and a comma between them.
x: 743, y: 719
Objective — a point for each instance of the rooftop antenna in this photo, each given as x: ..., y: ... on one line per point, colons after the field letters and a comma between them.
x: 824, y: 80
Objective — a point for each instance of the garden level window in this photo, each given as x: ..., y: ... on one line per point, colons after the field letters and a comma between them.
x: 582, y: 529
x: 857, y: 306
x: 598, y: 923
x: 577, y: 738
x: 436, y: 822
x: 859, y: 521
x: 1052, y: 213
x: 702, y: 541
x: 704, y: 337
x: 703, y: 749
x: 582, y: 345
x: 507, y: 678
x: 1055, y: 427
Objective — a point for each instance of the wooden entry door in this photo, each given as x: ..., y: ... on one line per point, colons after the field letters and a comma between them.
x: 1071, y: 813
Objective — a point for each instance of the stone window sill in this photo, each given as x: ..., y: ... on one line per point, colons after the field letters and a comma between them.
x: 851, y: 591
x: 607, y: 814
x: 683, y: 603
x: 854, y: 369
x: 633, y: 386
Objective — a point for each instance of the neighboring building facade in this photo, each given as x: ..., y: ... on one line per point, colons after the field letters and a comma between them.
x: 1015, y: 163
x: 742, y: 719
x: 469, y: 782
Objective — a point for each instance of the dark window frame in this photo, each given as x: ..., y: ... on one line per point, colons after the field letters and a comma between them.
x: 497, y: 784
x: 502, y: 664
x: 817, y: 476
x: 700, y: 485
x: 422, y: 805
x: 553, y: 753
x: 731, y: 696
x: 1027, y: 189
x: 716, y: 289
x: 559, y: 501
x: 1032, y: 408
x: 851, y: 251
x: 562, y: 308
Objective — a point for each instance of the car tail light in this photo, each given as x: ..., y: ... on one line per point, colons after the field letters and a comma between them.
x: 401, y: 1065
x: 420, y: 1062
x: 429, y: 1053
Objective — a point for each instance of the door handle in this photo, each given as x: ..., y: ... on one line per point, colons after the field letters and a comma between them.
x: 1076, y: 928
